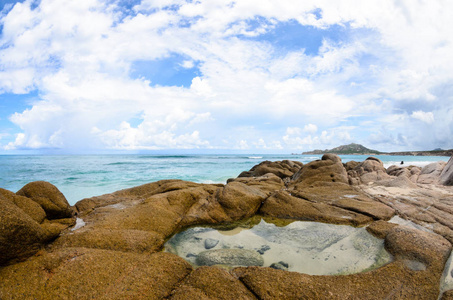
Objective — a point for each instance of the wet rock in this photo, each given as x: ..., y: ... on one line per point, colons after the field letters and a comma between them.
x: 230, y: 257
x: 49, y: 197
x: 210, y: 243
x: 263, y: 249
x: 279, y: 266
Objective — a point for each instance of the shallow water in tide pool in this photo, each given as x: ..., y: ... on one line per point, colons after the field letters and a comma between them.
x: 306, y: 247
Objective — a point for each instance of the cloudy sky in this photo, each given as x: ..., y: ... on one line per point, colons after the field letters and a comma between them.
x: 218, y: 75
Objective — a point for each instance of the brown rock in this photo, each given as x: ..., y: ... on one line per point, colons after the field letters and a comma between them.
x: 31, y: 208
x: 49, y: 197
x: 211, y: 283
x: 281, y: 169
x: 392, y: 281
x: 370, y: 170
x: 411, y: 172
x: 380, y: 228
x: 283, y: 205
x: 240, y: 201
x: 76, y: 273
x: 121, y: 240
x: 366, y: 206
x: 267, y: 183
x: 138, y: 193
x: 415, y: 273
x: 351, y: 165
x: 448, y: 295
x: 429, y: 249
x: 333, y: 157
x: 20, y: 235
x: 329, y: 169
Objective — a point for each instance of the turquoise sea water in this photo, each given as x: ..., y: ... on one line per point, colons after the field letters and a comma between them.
x: 82, y: 176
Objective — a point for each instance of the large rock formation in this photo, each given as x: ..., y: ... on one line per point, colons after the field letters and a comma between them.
x: 281, y: 169
x: 370, y: 170
x: 117, y: 253
x: 49, y: 197
x: 446, y: 177
x: 24, y: 229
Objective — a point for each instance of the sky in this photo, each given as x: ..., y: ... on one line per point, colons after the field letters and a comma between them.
x: 256, y: 76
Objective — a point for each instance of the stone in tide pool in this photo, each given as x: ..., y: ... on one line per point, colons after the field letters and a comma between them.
x: 230, y: 257
x: 210, y: 243
x: 280, y: 266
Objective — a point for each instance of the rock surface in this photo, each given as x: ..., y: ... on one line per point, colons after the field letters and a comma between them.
x: 116, y: 254
x: 446, y: 177
x: 49, y: 197
x: 281, y: 169
x: 24, y: 229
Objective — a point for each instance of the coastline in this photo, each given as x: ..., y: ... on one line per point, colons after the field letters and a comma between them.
x: 118, y: 237
x: 84, y: 176
x: 445, y: 153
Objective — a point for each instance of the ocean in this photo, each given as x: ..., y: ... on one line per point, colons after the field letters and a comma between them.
x: 83, y: 176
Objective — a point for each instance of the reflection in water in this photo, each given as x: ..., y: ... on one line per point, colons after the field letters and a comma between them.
x: 306, y: 247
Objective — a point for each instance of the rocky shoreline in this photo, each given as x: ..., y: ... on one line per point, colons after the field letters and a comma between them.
x: 115, y: 250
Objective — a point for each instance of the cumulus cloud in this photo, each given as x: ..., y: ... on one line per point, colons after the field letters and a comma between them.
x: 427, y: 117
x: 380, y: 72
x: 310, y: 128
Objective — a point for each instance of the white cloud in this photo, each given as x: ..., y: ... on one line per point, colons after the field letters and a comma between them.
x: 310, y: 128
x: 427, y: 117
x: 392, y: 63
x: 293, y: 131
x: 188, y: 64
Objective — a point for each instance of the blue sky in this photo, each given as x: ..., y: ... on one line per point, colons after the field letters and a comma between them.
x: 218, y: 75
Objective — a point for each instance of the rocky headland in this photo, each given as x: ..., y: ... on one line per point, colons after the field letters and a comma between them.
x: 357, y: 149
x: 110, y: 246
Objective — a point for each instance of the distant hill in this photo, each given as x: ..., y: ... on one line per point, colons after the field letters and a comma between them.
x: 423, y: 153
x: 351, y: 149
x: 357, y: 149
